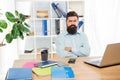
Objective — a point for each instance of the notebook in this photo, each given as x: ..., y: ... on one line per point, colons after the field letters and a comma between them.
x: 45, y: 63
x: 19, y: 74
x: 111, y: 56
x: 62, y: 73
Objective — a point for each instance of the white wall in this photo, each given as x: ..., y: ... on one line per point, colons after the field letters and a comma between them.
x: 6, y: 5
x: 9, y: 53
x: 102, y: 24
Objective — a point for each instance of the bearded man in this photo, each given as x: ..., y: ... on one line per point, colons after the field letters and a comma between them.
x: 72, y: 43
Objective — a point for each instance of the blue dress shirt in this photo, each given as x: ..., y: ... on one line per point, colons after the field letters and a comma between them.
x: 78, y: 42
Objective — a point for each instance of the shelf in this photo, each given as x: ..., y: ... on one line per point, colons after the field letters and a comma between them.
x: 42, y: 36
x: 41, y: 18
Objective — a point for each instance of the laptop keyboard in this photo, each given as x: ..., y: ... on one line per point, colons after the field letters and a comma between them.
x: 95, y: 61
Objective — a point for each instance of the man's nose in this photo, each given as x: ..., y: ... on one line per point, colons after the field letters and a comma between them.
x: 73, y: 23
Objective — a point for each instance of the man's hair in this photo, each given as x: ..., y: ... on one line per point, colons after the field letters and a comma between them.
x: 72, y: 13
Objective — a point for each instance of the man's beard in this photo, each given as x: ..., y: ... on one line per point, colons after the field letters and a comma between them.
x: 72, y: 29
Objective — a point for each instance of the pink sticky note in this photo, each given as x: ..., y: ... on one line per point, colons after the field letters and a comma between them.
x: 29, y: 65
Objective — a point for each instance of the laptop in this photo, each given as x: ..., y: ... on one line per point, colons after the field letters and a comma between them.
x: 111, y: 57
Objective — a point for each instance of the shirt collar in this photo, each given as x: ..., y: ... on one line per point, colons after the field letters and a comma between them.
x: 66, y: 33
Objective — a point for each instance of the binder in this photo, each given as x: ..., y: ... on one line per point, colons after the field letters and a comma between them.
x: 62, y: 12
x: 19, y: 74
x: 57, y: 26
x: 44, y: 27
x: 80, y: 24
x: 59, y: 11
x: 54, y: 6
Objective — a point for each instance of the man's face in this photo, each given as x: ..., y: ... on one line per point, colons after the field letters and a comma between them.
x: 72, y: 23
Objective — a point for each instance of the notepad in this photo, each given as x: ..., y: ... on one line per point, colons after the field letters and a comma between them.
x: 62, y: 73
x: 42, y: 71
x: 45, y: 63
x: 19, y: 74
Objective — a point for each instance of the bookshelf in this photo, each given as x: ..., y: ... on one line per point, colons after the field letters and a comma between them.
x: 45, y: 23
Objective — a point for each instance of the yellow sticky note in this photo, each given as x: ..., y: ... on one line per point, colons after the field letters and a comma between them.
x: 42, y: 71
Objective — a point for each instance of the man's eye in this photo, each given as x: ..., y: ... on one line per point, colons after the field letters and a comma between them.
x: 70, y: 21
x: 74, y: 20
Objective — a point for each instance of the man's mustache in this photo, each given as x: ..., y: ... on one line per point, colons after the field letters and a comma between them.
x: 72, y: 26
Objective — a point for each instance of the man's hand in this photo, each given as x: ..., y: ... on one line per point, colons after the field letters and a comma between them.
x: 69, y: 49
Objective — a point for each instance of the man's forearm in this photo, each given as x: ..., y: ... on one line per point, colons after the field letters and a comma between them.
x: 81, y: 52
x: 69, y: 49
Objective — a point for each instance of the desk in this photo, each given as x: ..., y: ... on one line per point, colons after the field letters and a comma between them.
x: 82, y: 71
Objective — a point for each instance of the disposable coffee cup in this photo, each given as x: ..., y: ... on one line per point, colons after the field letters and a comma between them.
x: 44, y: 55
